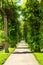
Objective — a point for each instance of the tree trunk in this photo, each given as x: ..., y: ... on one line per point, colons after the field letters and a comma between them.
x: 37, y: 49
x: 41, y: 0
x: 0, y: 4
x: 5, y: 32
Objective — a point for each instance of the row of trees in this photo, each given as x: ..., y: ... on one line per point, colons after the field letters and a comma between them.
x: 11, y: 26
x: 33, y: 21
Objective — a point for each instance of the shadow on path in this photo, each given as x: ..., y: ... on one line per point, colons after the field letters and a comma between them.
x: 26, y: 52
x: 22, y: 48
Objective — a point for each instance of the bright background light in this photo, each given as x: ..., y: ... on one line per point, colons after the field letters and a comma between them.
x: 20, y: 2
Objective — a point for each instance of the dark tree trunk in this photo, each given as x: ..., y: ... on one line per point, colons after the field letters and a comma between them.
x: 5, y: 32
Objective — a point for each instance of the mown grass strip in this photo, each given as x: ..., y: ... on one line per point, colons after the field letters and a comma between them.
x: 39, y: 57
x: 4, y: 56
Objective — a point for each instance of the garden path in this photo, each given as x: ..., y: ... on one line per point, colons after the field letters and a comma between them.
x: 21, y: 56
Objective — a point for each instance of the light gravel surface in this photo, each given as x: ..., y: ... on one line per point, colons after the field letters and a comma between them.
x: 21, y: 56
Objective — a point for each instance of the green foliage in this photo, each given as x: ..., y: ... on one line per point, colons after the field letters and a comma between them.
x: 41, y: 28
x: 1, y: 22
x: 11, y: 10
x: 32, y: 16
x: 2, y: 37
x: 14, y: 33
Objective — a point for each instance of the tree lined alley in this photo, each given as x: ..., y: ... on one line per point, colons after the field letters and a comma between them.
x: 21, y: 20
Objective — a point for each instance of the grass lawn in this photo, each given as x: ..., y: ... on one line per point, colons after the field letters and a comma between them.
x: 4, y: 56
x: 39, y: 57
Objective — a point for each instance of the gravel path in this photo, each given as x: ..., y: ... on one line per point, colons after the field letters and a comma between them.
x: 21, y: 56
